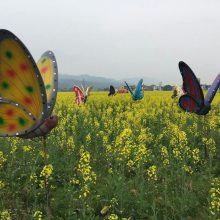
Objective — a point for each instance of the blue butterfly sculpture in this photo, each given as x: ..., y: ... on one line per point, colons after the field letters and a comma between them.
x: 193, y: 100
x: 137, y: 94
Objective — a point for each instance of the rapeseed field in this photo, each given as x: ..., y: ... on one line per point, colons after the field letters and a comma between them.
x: 114, y: 158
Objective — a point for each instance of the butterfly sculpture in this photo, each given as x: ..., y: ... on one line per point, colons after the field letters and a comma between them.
x: 177, y: 92
x: 81, y: 95
x: 137, y: 94
x: 27, y: 90
x: 122, y: 90
x: 193, y: 100
x: 112, y: 91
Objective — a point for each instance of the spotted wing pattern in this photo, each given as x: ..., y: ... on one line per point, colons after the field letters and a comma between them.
x: 13, y: 119
x: 21, y: 87
x: 49, y: 72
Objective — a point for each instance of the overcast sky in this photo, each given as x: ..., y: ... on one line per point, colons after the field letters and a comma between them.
x: 120, y: 38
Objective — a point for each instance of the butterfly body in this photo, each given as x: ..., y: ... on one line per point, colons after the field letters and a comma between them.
x: 137, y: 94
x: 48, y: 125
x: 28, y: 90
x: 193, y: 99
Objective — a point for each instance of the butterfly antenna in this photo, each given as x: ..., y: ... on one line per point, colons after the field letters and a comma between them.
x: 129, y: 89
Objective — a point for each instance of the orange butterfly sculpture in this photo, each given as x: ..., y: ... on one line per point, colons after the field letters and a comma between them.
x: 27, y: 90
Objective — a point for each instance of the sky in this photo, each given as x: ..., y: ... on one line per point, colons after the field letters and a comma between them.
x: 120, y: 38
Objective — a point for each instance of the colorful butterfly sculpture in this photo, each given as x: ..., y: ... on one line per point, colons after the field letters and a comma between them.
x: 27, y: 90
x: 122, y: 90
x: 177, y: 92
x: 193, y: 100
x: 112, y: 90
x: 81, y: 95
x: 137, y: 94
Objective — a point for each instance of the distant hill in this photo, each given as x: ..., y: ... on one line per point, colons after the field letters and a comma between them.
x: 66, y: 82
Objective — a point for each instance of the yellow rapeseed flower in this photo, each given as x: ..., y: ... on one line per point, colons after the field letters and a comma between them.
x: 27, y: 148
x: 152, y: 172
x: 113, y: 217
x: 38, y: 215
x: 5, y: 215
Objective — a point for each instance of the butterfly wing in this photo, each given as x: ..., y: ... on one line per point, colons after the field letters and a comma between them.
x: 129, y: 89
x: 14, y: 119
x: 191, y: 84
x: 49, y: 72
x: 79, y: 95
x: 20, y: 80
x: 138, y: 93
x: 88, y: 90
x: 111, y: 90
x: 189, y: 104
x: 212, y: 90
